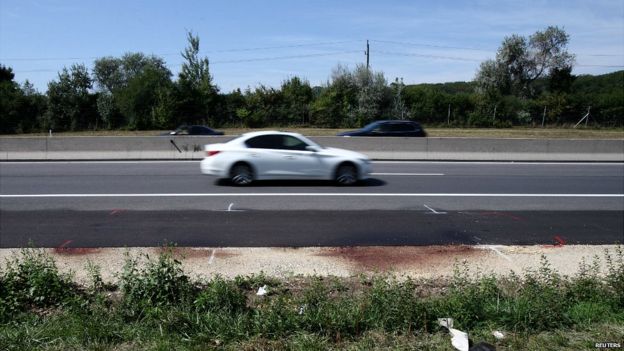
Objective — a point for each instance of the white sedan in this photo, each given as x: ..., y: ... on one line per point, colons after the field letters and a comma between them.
x: 280, y: 155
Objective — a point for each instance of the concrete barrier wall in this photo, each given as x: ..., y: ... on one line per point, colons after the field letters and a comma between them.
x: 191, y: 147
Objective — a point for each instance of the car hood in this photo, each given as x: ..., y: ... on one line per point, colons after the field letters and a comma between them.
x: 332, y: 151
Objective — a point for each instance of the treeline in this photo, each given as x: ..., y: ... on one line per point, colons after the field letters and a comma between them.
x: 138, y: 92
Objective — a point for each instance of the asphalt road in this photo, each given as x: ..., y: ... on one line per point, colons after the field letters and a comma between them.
x: 95, y: 204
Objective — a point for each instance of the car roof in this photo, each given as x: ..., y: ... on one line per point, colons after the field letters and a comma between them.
x: 396, y: 120
x: 268, y: 132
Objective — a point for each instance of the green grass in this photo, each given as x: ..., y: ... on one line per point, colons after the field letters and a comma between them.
x: 155, y: 306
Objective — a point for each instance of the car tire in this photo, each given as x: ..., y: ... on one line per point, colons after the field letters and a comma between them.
x: 346, y: 174
x: 241, y: 174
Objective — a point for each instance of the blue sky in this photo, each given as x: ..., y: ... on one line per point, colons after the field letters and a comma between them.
x: 253, y: 42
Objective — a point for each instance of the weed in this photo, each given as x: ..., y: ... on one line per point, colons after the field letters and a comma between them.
x: 32, y: 279
x: 220, y: 295
x: 160, y: 282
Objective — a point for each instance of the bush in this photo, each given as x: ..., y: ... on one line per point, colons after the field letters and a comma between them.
x: 160, y: 282
x: 32, y: 279
x: 221, y: 295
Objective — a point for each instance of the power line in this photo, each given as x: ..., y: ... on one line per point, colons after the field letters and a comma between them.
x: 169, y: 54
x: 431, y: 45
x: 455, y: 58
x: 606, y: 66
x: 283, y: 46
x: 256, y: 59
x: 274, y: 58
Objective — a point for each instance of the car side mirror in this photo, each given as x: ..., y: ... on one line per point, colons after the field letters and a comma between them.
x: 312, y: 148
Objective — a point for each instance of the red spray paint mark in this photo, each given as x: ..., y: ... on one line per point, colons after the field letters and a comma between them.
x: 67, y: 242
x: 559, y: 242
x: 502, y: 214
x: 64, y: 250
x: 115, y: 211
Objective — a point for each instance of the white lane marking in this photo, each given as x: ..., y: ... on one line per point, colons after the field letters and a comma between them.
x: 615, y: 163
x: 408, y: 174
x: 100, y: 162
x: 434, y: 211
x: 8, y: 196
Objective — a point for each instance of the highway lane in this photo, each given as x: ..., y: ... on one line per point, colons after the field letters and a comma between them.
x: 403, y: 203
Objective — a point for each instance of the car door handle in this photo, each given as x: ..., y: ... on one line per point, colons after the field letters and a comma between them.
x: 289, y: 157
x: 254, y: 155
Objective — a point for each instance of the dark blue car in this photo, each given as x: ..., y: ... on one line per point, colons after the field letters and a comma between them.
x: 194, y: 130
x: 389, y: 128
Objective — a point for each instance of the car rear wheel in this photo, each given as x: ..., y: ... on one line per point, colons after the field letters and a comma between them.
x: 346, y: 175
x: 241, y: 174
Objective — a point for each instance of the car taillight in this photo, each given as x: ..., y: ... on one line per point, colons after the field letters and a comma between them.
x: 211, y: 153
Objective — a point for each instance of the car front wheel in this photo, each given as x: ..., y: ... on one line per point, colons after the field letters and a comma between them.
x: 346, y: 175
x: 241, y: 174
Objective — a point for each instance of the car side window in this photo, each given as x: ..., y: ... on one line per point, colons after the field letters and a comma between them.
x: 382, y: 127
x: 403, y: 127
x: 292, y: 143
x: 265, y: 142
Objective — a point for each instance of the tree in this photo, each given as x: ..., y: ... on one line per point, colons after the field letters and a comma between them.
x: 113, y: 76
x: 262, y: 107
x: 146, y: 101
x: 70, y: 105
x: 336, y: 103
x: 353, y: 98
x: 31, y: 107
x: 197, y: 95
x: 297, y: 96
x: 373, y: 94
x: 9, y: 90
x: 520, y: 61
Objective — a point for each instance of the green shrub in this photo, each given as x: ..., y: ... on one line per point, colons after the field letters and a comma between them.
x: 32, y: 279
x: 159, y: 282
x: 615, y: 275
x: 221, y: 295
x: 392, y: 305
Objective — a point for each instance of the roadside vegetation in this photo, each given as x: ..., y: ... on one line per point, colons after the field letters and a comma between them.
x: 515, y: 132
x: 528, y: 84
x: 154, y: 305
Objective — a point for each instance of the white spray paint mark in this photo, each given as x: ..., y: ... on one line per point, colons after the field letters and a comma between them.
x: 476, y: 238
x: 212, y: 254
x: 497, y: 251
x: 230, y: 207
x: 434, y: 211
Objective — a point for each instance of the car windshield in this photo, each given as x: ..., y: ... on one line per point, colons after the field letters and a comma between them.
x: 370, y: 126
x: 310, y: 142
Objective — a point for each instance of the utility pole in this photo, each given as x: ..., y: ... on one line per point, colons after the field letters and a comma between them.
x: 448, y: 116
x: 367, y: 54
x: 543, y: 116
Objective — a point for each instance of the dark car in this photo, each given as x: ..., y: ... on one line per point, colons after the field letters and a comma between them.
x: 389, y: 128
x: 194, y: 130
